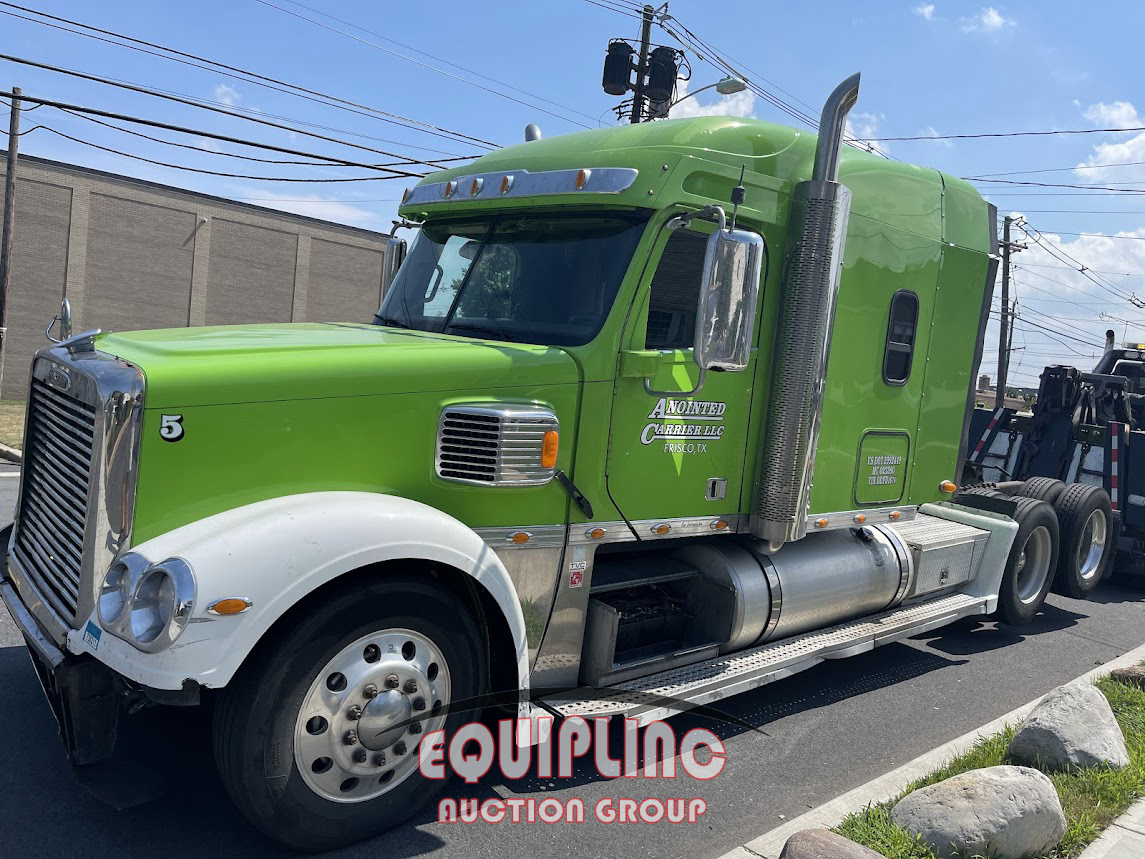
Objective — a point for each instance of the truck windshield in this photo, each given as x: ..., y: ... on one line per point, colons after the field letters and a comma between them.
x: 523, y: 278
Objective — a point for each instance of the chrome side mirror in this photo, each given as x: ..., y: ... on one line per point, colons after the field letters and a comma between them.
x: 64, y: 317
x: 726, y: 312
x: 394, y: 254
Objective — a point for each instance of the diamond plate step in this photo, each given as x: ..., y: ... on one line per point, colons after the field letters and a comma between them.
x: 658, y: 696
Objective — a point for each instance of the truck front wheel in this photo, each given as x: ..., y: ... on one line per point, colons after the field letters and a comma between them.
x: 317, y: 738
x: 1030, y: 567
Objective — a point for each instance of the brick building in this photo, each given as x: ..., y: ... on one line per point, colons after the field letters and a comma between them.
x: 131, y: 254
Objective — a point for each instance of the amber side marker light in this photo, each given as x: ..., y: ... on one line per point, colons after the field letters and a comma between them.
x: 520, y: 537
x: 662, y: 528
x: 549, y: 445
x: 860, y: 518
x: 595, y: 533
x: 820, y: 523
x: 229, y: 606
x: 720, y: 525
x: 582, y: 179
x: 948, y: 486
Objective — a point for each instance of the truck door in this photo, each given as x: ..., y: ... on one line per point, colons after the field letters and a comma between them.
x: 675, y: 459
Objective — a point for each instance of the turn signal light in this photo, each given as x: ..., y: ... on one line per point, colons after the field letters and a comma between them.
x: 229, y: 606
x: 948, y: 486
x: 549, y: 446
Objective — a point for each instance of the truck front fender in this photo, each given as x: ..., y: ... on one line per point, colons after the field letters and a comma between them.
x: 277, y: 552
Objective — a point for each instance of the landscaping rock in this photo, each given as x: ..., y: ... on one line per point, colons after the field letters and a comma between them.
x: 1134, y: 675
x: 1004, y: 812
x: 1073, y: 727
x: 821, y: 844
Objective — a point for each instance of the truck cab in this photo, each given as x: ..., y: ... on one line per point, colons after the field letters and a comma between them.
x: 648, y: 416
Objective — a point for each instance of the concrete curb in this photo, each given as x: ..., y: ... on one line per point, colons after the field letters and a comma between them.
x: 1124, y: 839
x: 770, y: 844
x: 11, y: 454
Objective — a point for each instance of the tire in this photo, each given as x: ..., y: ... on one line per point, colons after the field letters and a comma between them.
x: 983, y: 490
x: 1087, y: 539
x: 280, y: 736
x: 1047, y: 489
x: 1030, y: 568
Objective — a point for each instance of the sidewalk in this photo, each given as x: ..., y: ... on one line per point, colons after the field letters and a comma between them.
x: 1124, y: 839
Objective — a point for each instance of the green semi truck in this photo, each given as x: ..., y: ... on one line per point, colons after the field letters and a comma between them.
x: 649, y: 416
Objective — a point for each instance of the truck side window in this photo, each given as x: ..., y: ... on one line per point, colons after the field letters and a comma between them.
x: 900, y: 337
x: 676, y: 292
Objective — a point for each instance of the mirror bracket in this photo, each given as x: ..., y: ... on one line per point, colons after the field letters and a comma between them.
x: 648, y: 389
x: 706, y: 212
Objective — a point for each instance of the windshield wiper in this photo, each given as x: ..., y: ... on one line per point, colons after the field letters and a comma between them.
x: 498, y: 333
x: 390, y: 322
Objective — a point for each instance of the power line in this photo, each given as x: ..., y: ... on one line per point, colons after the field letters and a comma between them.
x: 1007, y: 134
x: 413, y: 60
x: 264, y: 81
x: 1062, y: 185
x: 181, y: 100
x: 1059, y: 169
x: 201, y: 133
x: 214, y: 172
x: 1063, y: 256
x: 1098, y: 236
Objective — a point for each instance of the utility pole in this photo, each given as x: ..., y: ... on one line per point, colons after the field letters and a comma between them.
x: 9, y: 215
x: 1006, y: 328
x: 642, y: 66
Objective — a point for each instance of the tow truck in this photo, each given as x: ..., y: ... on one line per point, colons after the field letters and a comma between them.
x: 648, y: 416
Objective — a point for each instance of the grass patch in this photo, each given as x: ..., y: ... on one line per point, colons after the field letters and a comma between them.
x: 1091, y: 799
x: 12, y: 422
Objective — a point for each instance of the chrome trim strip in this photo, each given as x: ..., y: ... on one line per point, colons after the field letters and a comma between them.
x: 614, y: 532
x: 522, y: 183
x: 540, y: 536
x: 688, y: 526
x: 776, y: 588
x: 906, y: 563
x: 846, y: 518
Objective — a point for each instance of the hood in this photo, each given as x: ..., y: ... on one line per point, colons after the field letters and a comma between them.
x: 187, y: 367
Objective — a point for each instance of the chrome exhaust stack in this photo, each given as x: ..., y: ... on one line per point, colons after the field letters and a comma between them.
x: 816, y: 234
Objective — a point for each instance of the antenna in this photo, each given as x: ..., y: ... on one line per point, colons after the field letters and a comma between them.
x: 739, y: 194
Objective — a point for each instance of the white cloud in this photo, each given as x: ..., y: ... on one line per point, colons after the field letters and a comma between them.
x: 862, y: 126
x: 739, y: 104
x: 227, y: 94
x: 1100, y: 167
x: 1118, y: 114
x: 925, y: 11
x: 310, y: 205
x: 989, y: 20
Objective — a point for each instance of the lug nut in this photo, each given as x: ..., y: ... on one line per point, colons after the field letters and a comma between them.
x: 392, y: 681
x: 415, y: 727
x: 410, y: 687
x: 350, y: 738
x: 419, y: 704
x: 399, y: 748
x: 359, y: 756
x: 355, y: 713
x: 371, y: 691
x: 379, y: 759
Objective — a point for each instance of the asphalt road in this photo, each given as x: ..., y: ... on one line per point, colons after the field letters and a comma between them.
x: 811, y: 737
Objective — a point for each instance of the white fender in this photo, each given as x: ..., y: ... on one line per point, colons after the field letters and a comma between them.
x: 276, y: 552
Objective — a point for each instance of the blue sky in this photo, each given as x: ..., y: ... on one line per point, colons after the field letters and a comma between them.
x: 927, y: 68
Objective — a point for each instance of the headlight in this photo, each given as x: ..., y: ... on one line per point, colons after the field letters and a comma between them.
x: 148, y: 606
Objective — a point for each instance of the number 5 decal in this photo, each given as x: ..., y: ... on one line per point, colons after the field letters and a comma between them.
x: 171, y: 427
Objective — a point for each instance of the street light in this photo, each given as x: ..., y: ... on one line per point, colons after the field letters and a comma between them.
x: 727, y: 86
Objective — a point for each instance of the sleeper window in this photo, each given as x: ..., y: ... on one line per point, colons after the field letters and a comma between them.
x: 900, y: 337
x: 676, y: 292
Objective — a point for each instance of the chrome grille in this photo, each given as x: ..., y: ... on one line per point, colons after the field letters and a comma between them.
x: 58, y: 460
x: 494, y: 445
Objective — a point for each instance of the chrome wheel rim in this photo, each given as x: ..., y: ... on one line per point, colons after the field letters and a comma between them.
x: 1091, y: 546
x: 1034, y: 565
x: 357, y: 732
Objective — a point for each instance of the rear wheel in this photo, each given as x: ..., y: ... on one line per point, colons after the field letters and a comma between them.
x: 1033, y: 557
x: 317, y: 739
x: 1087, y: 539
x: 1046, y: 489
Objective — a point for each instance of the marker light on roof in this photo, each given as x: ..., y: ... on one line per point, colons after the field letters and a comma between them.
x: 450, y: 187
x: 475, y: 187
x: 582, y: 178
x: 506, y: 184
